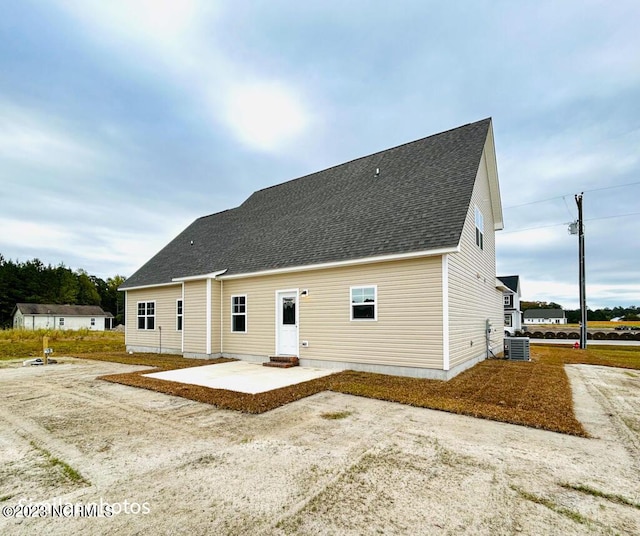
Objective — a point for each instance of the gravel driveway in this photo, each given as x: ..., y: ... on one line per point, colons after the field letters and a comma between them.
x: 327, y: 464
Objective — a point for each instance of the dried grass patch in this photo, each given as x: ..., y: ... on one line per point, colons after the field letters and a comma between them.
x: 535, y: 394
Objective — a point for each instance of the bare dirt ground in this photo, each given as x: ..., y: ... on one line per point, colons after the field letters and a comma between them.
x: 167, y: 465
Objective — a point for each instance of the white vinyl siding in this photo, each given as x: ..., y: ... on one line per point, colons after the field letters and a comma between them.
x: 473, y: 296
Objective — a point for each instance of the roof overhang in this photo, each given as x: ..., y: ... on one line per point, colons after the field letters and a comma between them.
x: 211, y: 275
x: 141, y: 287
x: 178, y: 280
x: 494, y: 185
x: 352, y: 262
x: 501, y: 286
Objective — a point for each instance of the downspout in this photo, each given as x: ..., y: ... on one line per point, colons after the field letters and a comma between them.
x: 221, y: 316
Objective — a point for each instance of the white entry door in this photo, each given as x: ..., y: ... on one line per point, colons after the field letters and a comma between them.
x: 287, y: 323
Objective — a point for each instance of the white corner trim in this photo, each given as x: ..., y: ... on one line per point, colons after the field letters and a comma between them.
x: 212, y: 275
x: 208, y: 316
x: 182, y: 332
x: 353, y: 262
x: 445, y: 312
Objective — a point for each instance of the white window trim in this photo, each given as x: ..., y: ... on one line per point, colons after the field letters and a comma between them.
x: 479, y: 226
x: 245, y: 314
x: 155, y: 313
x: 375, y: 304
x: 61, y: 321
x: 180, y: 315
x: 507, y: 300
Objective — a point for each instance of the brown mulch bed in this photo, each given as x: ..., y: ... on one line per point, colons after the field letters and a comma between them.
x: 535, y: 394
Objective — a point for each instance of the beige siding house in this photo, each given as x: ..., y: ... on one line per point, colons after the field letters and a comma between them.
x: 384, y: 264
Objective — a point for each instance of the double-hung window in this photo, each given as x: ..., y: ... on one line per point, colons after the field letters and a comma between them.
x: 239, y: 314
x: 178, y: 315
x: 147, y: 315
x: 364, y: 303
x: 479, y: 229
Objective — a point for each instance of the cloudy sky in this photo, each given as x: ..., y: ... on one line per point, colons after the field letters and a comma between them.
x: 121, y: 121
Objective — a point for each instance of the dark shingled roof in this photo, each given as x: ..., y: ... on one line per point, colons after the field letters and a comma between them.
x: 418, y: 202
x: 510, y: 281
x: 544, y: 313
x: 60, y: 310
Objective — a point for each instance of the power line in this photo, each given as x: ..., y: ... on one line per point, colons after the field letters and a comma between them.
x: 567, y: 223
x: 565, y: 195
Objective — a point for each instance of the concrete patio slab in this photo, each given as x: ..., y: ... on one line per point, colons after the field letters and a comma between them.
x: 241, y: 376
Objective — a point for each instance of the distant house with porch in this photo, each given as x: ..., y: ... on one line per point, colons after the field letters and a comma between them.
x: 544, y: 316
x: 511, y: 299
x: 56, y: 316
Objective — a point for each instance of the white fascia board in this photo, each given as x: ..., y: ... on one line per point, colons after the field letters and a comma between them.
x: 140, y: 287
x: 501, y: 286
x: 494, y: 185
x: 212, y: 275
x: 354, y: 262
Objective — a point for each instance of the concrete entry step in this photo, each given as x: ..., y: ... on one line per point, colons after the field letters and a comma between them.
x: 282, y: 361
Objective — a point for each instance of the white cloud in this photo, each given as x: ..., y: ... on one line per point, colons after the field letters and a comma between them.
x: 156, y: 23
x: 36, y: 139
x: 263, y: 113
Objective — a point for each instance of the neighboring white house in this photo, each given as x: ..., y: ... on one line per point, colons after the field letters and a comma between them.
x: 55, y: 316
x: 385, y: 264
x: 511, y: 299
x: 544, y: 316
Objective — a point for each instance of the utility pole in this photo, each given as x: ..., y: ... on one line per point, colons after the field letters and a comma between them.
x: 583, y: 295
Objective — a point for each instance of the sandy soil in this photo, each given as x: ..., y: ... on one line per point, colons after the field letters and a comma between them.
x: 173, y: 466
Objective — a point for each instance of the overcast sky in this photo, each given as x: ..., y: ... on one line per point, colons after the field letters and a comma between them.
x: 123, y: 121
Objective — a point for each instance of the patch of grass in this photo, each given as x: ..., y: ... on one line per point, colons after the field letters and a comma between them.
x: 608, y: 356
x: 159, y: 361
x: 618, y: 499
x: 21, y: 343
x: 535, y: 394
x: 335, y: 415
x: 548, y: 503
x: 68, y: 471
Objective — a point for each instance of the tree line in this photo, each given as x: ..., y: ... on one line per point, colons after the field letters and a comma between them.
x: 631, y: 313
x: 33, y: 282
